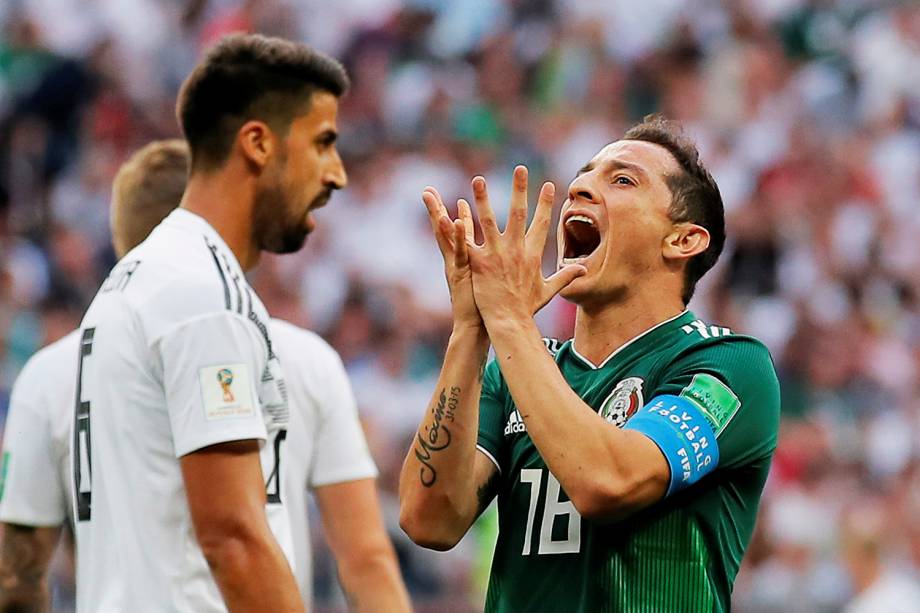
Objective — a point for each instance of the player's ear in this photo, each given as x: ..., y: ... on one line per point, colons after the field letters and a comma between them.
x: 256, y: 142
x: 685, y: 241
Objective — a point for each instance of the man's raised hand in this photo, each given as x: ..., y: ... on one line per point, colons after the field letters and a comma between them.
x: 507, y: 268
x: 453, y: 238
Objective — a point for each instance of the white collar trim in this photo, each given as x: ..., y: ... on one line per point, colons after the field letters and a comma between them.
x: 624, y: 345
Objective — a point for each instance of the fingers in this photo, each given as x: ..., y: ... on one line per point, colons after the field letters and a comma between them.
x: 461, y: 250
x: 517, y: 214
x: 558, y: 282
x: 466, y: 216
x: 535, y: 240
x: 486, y: 215
x: 440, y: 221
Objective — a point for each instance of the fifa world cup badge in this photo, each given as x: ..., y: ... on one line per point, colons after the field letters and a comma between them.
x: 225, y: 378
x: 623, y: 401
x: 232, y: 397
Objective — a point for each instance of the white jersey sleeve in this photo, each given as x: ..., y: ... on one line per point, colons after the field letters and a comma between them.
x: 211, y: 367
x: 341, y: 449
x: 35, y: 466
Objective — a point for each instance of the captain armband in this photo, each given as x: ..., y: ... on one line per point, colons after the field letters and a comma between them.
x: 684, y: 436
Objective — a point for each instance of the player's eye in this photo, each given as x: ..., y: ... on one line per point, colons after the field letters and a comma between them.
x: 623, y: 180
x: 326, y: 140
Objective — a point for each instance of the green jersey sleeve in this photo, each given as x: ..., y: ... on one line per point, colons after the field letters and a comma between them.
x: 492, y: 416
x: 733, y: 382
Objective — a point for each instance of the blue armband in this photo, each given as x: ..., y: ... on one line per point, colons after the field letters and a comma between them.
x: 684, y: 436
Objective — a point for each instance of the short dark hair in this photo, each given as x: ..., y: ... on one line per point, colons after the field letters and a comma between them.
x: 250, y: 76
x: 147, y: 187
x: 695, y: 197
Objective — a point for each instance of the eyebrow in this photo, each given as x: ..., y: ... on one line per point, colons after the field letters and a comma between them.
x: 586, y: 168
x: 614, y: 165
x: 621, y: 165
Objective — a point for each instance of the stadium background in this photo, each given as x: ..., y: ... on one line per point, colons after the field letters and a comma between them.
x: 807, y: 112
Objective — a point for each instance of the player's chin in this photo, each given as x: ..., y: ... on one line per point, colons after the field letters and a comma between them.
x: 290, y: 242
x: 578, y: 289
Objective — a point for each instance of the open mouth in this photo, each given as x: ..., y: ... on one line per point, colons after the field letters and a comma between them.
x: 321, y: 200
x: 581, y: 238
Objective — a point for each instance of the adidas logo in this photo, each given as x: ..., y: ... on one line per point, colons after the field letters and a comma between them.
x: 515, y: 424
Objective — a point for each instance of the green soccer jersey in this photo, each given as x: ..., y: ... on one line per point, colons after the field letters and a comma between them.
x: 680, y: 554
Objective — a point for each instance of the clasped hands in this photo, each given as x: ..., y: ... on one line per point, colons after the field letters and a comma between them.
x: 501, y: 280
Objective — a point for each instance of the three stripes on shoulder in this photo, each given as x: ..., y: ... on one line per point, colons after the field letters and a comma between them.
x: 704, y: 330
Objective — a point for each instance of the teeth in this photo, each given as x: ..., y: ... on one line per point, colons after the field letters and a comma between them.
x: 567, y: 261
x: 581, y: 218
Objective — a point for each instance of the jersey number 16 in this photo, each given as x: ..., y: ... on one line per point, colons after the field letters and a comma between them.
x: 553, y: 509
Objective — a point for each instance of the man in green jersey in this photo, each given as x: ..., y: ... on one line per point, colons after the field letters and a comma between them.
x: 629, y: 461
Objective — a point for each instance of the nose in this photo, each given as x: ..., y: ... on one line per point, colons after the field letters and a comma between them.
x: 335, y: 176
x: 581, y: 189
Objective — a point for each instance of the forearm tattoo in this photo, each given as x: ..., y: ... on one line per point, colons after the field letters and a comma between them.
x: 437, y: 435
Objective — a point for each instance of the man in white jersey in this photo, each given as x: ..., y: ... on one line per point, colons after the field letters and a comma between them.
x: 325, y: 448
x: 35, y: 475
x: 181, y: 406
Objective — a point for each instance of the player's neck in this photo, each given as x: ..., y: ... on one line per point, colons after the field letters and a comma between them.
x: 226, y: 202
x: 600, y: 332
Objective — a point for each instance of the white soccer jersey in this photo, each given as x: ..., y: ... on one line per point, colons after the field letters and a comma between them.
x: 36, y: 442
x: 174, y: 356
x: 325, y: 443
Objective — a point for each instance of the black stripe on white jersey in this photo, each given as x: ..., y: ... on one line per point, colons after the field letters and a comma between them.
x: 260, y: 325
x: 228, y: 302
x: 220, y: 271
x: 236, y: 284
x: 248, y: 298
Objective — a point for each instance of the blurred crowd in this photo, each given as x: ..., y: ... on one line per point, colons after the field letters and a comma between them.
x: 806, y: 111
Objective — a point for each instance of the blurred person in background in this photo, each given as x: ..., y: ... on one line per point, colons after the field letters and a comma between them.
x: 878, y: 583
x: 652, y: 430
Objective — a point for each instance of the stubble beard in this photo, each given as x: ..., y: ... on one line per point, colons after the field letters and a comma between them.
x: 274, y: 228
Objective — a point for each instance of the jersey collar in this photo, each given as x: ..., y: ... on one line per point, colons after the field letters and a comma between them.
x: 187, y: 221
x: 659, y: 327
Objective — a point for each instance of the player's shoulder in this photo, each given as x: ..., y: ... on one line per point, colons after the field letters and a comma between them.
x: 704, y: 346
x: 182, y: 271
x: 702, y: 337
x: 299, y: 344
x: 51, y: 360
x: 739, y: 360
x: 46, y: 377
x: 181, y: 248
x: 286, y: 332
x: 305, y: 356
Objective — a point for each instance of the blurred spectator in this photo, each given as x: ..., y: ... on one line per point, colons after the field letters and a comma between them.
x: 878, y: 584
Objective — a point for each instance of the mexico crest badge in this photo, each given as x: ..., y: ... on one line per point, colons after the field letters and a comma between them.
x: 623, y: 402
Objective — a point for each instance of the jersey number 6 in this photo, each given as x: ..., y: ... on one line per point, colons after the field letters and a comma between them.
x: 82, y: 466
